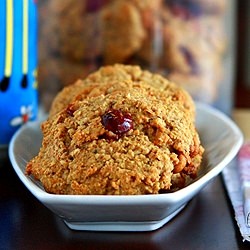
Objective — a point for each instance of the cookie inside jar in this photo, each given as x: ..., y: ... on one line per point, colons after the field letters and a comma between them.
x: 188, y: 41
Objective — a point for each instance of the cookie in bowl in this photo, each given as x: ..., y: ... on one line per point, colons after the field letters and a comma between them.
x: 105, y: 80
x: 135, y: 139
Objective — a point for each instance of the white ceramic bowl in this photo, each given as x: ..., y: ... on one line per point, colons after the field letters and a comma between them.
x: 220, y: 137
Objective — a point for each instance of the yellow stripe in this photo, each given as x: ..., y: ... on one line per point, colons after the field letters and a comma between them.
x: 9, y: 37
x: 25, y: 36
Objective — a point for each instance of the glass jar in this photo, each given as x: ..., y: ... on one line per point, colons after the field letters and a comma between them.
x: 191, y: 42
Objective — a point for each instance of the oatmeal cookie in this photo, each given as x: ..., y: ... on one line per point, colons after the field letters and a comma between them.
x: 108, y: 76
x: 130, y: 141
x: 70, y: 28
x: 193, y: 53
x: 188, y: 44
x: 122, y: 31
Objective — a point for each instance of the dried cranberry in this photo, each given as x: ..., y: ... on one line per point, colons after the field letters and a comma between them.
x: 70, y: 109
x: 117, y: 121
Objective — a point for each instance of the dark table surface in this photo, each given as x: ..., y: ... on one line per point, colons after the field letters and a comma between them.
x: 207, y: 222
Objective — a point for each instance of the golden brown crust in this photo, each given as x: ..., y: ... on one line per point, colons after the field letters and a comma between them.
x: 104, y: 81
x: 79, y: 155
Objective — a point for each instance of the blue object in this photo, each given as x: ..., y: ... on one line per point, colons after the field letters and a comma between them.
x: 18, y: 64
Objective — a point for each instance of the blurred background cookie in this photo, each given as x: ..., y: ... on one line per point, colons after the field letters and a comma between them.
x: 184, y: 40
